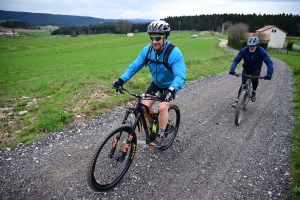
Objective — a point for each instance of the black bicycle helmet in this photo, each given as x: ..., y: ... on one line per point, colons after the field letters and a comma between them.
x: 253, y: 41
x: 159, y: 27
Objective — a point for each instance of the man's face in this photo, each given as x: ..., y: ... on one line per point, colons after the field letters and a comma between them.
x: 157, y: 41
x: 252, y: 48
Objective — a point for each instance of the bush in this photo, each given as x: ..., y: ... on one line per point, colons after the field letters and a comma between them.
x: 236, y: 44
x: 264, y: 45
x: 290, y: 45
x: 296, y: 71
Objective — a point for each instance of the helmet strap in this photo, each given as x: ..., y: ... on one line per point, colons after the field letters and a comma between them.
x: 164, y: 44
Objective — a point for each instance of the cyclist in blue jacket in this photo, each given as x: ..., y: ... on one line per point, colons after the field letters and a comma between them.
x: 165, y: 81
x: 253, y: 56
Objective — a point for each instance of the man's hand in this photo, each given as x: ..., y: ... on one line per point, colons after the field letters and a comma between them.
x: 117, y: 84
x: 232, y: 72
x: 267, y: 77
x: 167, y: 95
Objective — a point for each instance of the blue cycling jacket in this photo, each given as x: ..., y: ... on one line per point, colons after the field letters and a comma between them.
x: 253, y: 61
x: 161, y: 76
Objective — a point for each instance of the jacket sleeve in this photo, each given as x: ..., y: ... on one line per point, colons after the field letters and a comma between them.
x: 178, y: 68
x: 269, y: 63
x: 237, y: 59
x: 136, y: 65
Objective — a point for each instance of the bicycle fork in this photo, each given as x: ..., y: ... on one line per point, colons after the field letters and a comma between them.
x: 114, y: 145
x: 125, y: 148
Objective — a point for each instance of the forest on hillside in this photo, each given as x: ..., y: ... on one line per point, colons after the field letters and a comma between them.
x: 287, y: 22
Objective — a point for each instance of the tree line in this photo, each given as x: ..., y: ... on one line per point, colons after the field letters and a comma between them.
x: 122, y: 26
x: 16, y: 24
x: 214, y: 22
x: 288, y: 22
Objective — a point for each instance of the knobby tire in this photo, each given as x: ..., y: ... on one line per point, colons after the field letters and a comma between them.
x: 105, y: 170
x: 240, y: 109
x: 172, y: 127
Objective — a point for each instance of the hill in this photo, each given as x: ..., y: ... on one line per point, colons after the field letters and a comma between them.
x: 43, y: 19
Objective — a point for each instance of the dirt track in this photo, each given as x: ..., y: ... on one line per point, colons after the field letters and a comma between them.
x: 212, y: 158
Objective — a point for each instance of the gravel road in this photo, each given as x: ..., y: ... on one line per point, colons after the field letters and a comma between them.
x: 212, y: 158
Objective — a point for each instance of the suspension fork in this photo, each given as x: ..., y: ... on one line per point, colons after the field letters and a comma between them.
x: 114, y: 145
x: 129, y: 139
x: 125, y: 148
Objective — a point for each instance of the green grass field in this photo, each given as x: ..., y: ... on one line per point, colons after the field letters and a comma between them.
x: 63, y: 77
x: 48, y: 81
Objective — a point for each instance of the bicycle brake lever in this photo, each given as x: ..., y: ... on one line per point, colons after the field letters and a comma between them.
x: 121, y: 90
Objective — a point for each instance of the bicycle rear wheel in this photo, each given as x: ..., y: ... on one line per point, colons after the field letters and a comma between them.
x: 172, y: 127
x: 109, y: 163
x: 240, y: 109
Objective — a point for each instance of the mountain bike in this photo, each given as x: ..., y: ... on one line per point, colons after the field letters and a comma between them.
x: 244, y: 97
x: 117, y: 150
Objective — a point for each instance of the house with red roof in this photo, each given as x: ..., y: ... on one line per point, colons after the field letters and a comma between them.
x: 274, y: 34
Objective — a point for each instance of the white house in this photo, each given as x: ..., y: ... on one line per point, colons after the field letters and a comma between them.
x: 130, y: 34
x: 277, y: 35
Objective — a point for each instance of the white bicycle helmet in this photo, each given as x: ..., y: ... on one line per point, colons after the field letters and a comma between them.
x: 160, y: 27
x: 253, y: 41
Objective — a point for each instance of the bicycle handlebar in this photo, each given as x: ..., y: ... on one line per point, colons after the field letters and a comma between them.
x: 140, y: 96
x: 249, y: 76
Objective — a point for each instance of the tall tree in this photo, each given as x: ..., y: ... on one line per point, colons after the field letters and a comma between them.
x: 123, y: 26
x: 238, y: 31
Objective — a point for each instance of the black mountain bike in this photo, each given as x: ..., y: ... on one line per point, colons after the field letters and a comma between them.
x: 244, y: 97
x: 116, y: 152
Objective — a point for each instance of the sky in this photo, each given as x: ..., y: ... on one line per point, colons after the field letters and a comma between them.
x: 153, y: 9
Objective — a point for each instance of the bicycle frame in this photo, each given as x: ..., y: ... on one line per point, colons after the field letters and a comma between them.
x: 244, y: 96
x: 247, y: 86
x: 139, y: 112
x: 117, y: 149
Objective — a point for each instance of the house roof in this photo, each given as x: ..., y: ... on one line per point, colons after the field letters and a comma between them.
x: 205, y: 32
x: 262, y: 36
x: 269, y: 27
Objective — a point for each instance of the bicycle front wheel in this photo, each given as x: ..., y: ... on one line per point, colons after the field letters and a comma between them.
x: 172, y: 127
x: 109, y: 162
x: 240, y: 109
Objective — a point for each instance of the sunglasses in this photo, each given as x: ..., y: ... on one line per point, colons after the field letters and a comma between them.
x: 157, y: 38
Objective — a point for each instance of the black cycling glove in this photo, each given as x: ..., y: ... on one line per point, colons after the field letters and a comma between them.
x: 268, y: 77
x: 117, y: 84
x: 167, y: 95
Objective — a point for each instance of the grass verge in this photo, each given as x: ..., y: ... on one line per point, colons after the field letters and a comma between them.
x: 292, y: 59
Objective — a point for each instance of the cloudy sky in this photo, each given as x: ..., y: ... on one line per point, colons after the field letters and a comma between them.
x: 153, y: 9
